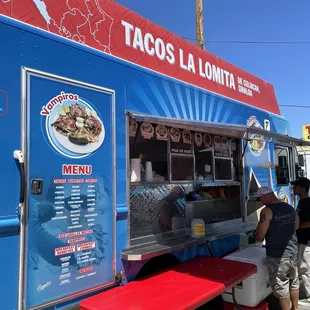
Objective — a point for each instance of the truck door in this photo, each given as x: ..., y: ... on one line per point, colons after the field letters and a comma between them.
x: 69, y: 227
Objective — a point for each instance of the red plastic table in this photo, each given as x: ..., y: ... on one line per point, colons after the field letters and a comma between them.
x: 187, y: 285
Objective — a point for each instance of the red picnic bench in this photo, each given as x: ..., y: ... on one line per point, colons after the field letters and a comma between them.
x: 187, y: 285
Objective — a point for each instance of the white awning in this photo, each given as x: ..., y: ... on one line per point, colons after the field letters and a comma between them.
x: 223, y: 129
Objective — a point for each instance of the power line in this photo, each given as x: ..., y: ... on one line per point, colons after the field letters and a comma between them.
x: 249, y: 42
x: 261, y: 42
x: 294, y: 106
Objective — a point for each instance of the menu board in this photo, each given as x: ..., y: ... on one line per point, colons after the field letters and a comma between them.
x: 70, y: 245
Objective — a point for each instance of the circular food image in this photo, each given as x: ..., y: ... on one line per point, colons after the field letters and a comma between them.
x: 76, y: 127
x: 175, y: 134
x: 161, y: 132
x: 147, y: 130
x: 207, y: 140
x: 198, y: 138
x: 257, y: 145
x: 186, y: 135
x: 132, y: 127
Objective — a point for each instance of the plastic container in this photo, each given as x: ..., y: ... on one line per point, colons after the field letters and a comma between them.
x: 256, y: 288
x: 135, y: 173
x: 148, y: 171
x: 261, y: 306
x: 198, y: 228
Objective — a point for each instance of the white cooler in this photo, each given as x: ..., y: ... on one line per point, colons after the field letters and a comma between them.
x: 255, y: 288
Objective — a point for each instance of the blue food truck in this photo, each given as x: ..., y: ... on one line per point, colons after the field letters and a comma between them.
x: 116, y: 135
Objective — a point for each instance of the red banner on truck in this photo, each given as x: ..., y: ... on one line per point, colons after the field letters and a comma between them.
x: 114, y: 29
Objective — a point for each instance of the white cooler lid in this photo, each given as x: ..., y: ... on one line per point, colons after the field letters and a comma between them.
x: 252, y: 255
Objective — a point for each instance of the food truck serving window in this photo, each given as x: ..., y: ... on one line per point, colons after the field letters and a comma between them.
x: 178, y: 174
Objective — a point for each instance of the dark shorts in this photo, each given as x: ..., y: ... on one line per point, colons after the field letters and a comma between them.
x: 283, y: 275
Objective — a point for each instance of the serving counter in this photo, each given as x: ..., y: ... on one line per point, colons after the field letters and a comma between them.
x: 160, y: 247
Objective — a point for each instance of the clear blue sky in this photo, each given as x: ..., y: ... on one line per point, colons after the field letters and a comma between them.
x: 287, y: 67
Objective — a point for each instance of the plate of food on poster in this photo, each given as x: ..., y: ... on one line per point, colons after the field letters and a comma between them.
x: 257, y: 144
x: 77, y: 127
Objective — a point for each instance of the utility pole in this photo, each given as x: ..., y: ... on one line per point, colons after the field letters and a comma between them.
x: 199, y: 24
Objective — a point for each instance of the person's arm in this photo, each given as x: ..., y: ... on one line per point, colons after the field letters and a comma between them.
x: 297, y: 222
x: 263, y: 225
x: 305, y: 224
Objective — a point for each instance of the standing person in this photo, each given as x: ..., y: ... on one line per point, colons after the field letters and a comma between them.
x: 278, y: 222
x: 301, y: 188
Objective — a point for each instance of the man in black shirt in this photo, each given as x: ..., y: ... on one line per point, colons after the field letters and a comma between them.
x: 301, y: 188
x: 278, y: 222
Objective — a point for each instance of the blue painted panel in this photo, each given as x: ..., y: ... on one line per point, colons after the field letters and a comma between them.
x: 136, y: 89
x: 9, y: 272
